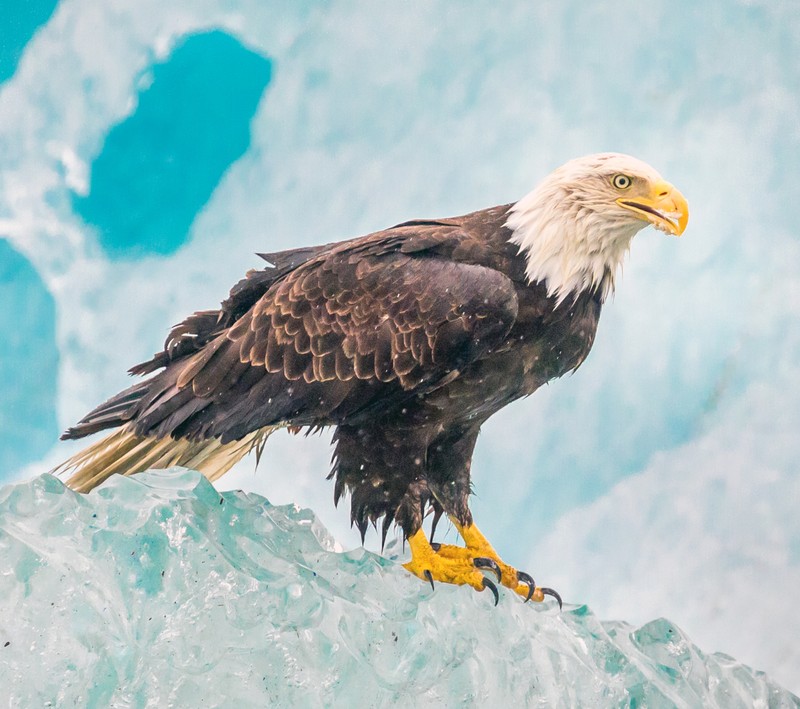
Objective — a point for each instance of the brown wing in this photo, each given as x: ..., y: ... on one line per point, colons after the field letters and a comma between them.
x: 351, y: 331
x: 196, y: 331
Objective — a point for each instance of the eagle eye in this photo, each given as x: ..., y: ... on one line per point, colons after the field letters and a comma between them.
x: 621, y: 182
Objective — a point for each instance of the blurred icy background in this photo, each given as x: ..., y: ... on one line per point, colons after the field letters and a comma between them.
x: 147, y: 149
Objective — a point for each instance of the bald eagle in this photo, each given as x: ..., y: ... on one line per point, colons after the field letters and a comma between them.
x: 405, y: 341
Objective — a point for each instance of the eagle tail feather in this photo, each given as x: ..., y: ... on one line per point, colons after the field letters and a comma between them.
x: 125, y: 453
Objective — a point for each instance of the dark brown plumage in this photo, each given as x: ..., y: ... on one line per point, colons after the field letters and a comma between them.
x: 405, y: 341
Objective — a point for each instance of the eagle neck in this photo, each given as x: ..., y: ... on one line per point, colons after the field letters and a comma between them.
x: 568, y: 244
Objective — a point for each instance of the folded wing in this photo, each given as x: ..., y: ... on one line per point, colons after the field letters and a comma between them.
x: 346, y: 331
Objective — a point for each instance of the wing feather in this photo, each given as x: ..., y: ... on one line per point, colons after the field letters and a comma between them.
x: 331, y: 333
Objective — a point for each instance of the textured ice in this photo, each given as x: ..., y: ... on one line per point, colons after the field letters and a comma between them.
x: 158, y: 591
x: 662, y: 479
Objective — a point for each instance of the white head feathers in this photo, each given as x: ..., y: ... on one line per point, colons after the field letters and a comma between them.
x: 571, y: 229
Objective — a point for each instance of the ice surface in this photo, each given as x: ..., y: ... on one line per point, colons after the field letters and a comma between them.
x: 662, y: 478
x: 157, y: 591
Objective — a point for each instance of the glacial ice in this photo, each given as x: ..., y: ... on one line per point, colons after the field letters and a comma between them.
x: 662, y: 479
x: 157, y: 590
x: 28, y: 326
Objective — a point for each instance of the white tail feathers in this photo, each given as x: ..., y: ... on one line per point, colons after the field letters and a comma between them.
x: 125, y: 453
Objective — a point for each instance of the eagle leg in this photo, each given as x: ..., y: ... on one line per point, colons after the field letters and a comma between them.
x: 481, y: 554
x: 430, y: 566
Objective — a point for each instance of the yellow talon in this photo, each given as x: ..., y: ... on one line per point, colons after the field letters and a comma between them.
x: 479, y: 546
x: 461, y: 565
x: 459, y: 571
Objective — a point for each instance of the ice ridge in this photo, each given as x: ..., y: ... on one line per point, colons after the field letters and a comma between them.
x: 158, y: 590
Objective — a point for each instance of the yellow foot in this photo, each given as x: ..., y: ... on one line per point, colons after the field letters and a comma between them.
x: 462, y: 565
x: 510, y: 577
x: 431, y: 566
x: 478, y: 546
x: 483, y: 555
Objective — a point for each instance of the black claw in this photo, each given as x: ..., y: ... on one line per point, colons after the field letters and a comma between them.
x: 484, y: 562
x: 429, y: 576
x: 490, y: 585
x: 436, y: 546
x: 522, y: 577
x: 554, y: 594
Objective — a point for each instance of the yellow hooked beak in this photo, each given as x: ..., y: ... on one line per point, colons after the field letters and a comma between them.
x: 665, y: 208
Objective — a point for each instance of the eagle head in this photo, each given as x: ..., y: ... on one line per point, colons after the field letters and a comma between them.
x: 576, y: 226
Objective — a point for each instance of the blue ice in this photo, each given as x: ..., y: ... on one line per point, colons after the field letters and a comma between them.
x: 662, y: 478
x: 158, y: 591
x: 28, y: 363
x: 20, y: 21
x: 160, y: 165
